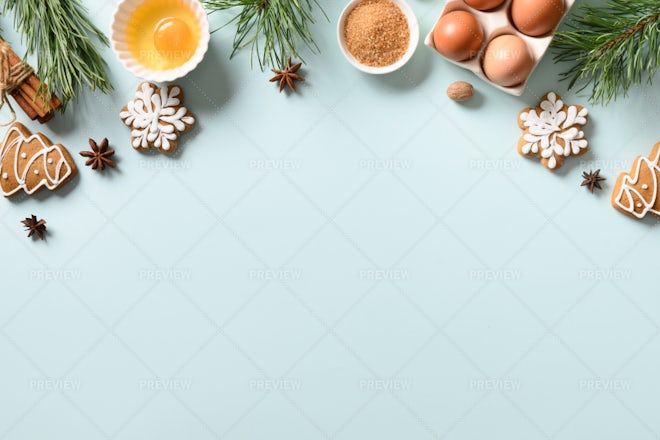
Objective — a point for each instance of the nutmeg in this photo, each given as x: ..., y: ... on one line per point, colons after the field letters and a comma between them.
x: 460, y: 91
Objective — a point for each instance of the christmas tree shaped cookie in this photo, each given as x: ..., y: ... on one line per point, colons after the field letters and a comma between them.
x: 30, y: 162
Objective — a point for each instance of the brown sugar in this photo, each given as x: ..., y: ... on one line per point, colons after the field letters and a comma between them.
x: 376, y: 33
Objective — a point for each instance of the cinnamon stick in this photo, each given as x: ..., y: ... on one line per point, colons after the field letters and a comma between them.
x: 28, y: 95
x: 25, y: 89
x: 30, y: 101
x: 25, y: 105
x: 46, y: 118
x: 29, y: 88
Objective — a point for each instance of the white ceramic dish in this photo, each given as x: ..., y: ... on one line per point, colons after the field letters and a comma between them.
x: 495, y: 23
x: 118, y: 40
x: 413, y: 25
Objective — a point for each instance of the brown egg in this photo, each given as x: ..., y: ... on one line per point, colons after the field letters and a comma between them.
x: 536, y: 17
x: 484, y: 5
x: 458, y: 36
x: 507, y: 61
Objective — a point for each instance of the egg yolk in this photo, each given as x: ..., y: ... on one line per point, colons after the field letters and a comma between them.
x: 173, y: 38
x: 162, y: 34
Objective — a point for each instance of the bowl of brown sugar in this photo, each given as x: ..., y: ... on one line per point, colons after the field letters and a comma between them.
x: 378, y: 36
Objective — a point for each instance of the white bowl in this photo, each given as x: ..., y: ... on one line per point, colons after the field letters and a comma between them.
x: 118, y: 40
x: 413, y: 25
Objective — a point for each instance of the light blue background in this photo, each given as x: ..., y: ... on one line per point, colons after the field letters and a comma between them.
x: 363, y: 260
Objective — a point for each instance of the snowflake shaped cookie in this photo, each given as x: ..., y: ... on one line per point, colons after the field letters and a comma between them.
x: 553, y: 131
x: 157, y: 117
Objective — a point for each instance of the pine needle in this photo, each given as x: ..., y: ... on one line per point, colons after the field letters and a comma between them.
x: 60, y: 34
x: 272, y: 28
x: 613, y: 47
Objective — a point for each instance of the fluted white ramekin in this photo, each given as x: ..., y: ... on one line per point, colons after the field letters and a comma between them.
x: 118, y: 40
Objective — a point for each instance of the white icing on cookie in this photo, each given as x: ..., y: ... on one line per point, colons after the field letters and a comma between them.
x: 628, y: 193
x: 11, y: 147
x: 553, y: 132
x: 154, y: 118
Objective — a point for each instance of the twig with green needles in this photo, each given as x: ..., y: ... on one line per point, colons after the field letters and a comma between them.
x: 60, y: 34
x: 613, y: 47
x: 272, y: 28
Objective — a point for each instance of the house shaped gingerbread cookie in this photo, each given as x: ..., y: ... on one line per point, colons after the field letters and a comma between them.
x: 636, y: 193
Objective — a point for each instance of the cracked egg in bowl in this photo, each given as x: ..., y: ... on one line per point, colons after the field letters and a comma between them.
x: 160, y: 40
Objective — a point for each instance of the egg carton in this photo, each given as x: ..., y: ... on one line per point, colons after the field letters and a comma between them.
x: 495, y: 23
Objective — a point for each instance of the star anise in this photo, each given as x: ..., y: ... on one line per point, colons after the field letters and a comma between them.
x: 287, y: 75
x: 592, y: 180
x: 100, y: 155
x: 35, y: 226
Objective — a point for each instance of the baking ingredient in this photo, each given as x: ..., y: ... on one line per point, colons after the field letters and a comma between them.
x: 287, y: 76
x: 273, y: 29
x: 17, y: 78
x: 458, y: 35
x: 536, y: 17
x: 162, y: 34
x: 592, y: 180
x: 376, y: 33
x: 612, y: 47
x: 100, y: 155
x: 460, y: 91
x: 35, y: 227
x: 507, y: 61
x: 484, y: 5
x: 62, y: 37
x: 173, y: 35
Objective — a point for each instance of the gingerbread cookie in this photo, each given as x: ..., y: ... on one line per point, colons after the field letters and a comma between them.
x: 636, y: 193
x: 553, y: 131
x: 157, y: 117
x: 30, y: 162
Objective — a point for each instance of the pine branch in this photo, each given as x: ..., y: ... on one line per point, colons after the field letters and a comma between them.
x: 613, y: 47
x: 59, y: 32
x: 272, y: 28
